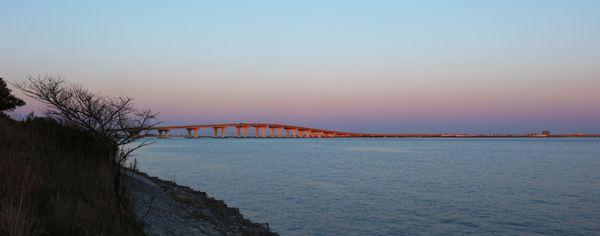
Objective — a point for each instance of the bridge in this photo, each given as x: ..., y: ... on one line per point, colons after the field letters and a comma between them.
x: 260, y: 130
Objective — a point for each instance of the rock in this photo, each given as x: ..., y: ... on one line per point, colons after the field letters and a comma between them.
x: 165, y: 208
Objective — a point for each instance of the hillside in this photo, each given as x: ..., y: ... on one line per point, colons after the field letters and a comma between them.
x: 56, y: 180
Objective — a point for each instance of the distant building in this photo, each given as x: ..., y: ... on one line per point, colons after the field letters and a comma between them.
x: 546, y: 132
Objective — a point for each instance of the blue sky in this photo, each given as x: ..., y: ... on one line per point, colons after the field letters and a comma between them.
x: 448, y: 66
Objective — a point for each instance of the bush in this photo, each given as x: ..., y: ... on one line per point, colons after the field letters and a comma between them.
x: 56, y: 180
x: 62, y: 175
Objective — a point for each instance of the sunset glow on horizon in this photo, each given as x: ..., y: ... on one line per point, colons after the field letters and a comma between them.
x: 378, y: 66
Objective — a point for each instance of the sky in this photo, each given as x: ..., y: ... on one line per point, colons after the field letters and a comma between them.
x: 366, y: 66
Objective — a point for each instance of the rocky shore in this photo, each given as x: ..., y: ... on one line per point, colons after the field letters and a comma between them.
x: 165, y: 208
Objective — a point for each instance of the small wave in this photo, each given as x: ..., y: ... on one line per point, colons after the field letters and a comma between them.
x: 380, y: 149
x: 458, y: 222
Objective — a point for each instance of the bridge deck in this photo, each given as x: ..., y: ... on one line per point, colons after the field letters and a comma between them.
x: 293, y: 131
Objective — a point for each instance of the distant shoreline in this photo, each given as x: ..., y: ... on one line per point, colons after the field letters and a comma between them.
x: 401, y: 136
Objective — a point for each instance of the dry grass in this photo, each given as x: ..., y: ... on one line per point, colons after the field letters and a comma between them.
x: 56, y: 180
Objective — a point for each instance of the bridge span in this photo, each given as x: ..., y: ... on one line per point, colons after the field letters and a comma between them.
x: 272, y: 130
x: 260, y: 130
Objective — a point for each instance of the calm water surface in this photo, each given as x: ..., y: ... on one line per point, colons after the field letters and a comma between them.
x: 394, y: 186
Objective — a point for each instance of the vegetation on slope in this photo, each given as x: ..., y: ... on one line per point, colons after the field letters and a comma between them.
x: 56, y: 180
x: 62, y: 175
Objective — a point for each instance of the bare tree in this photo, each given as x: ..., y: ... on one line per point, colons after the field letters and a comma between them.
x: 114, y: 119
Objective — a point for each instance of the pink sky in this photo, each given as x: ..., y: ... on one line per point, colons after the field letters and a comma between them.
x: 389, y: 66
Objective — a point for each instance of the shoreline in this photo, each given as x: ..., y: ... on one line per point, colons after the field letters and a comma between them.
x: 391, y: 137
x: 163, y: 207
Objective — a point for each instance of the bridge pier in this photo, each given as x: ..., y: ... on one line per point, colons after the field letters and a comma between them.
x: 241, y: 131
x: 216, y: 131
x: 163, y: 133
x: 276, y: 130
x: 304, y: 133
x: 261, y: 131
x: 290, y: 132
x: 189, y: 132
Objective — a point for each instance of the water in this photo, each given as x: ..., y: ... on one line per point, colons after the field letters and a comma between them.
x: 394, y: 186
